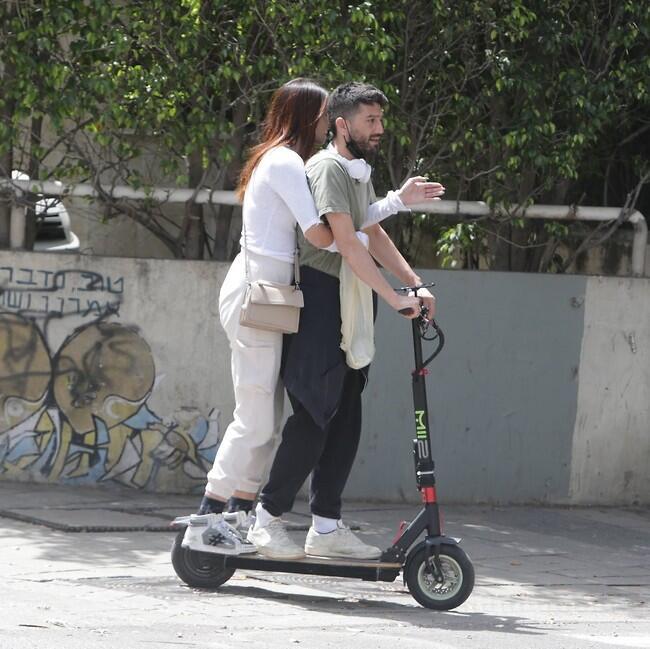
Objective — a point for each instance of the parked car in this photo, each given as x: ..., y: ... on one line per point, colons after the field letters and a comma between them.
x: 53, y: 232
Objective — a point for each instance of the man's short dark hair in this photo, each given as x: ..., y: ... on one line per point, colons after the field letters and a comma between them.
x: 345, y: 100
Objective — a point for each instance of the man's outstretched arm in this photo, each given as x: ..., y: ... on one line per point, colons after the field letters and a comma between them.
x: 415, y: 190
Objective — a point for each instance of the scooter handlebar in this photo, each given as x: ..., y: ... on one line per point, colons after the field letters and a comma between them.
x: 414, y: 290
x: 422, y: 323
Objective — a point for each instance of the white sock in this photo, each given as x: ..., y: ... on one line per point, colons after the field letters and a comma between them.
x: 324, y: 525
x: 262, y: 517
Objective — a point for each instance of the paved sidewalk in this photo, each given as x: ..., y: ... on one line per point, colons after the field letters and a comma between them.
x: 89, y: 568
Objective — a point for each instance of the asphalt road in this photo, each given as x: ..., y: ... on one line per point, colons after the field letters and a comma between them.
x: 550, y: 578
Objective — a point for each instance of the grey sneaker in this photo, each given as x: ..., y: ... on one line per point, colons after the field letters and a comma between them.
x: 211, y: 533
x: 240, y: 520
x: 340, y: 544
x: 273, y: 541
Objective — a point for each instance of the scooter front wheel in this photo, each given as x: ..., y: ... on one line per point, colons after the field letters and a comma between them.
x: 455, y: 581
x: 198, y: 569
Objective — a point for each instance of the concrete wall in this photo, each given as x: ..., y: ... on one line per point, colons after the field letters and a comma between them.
x: 120, y: 236
x: 502, y: 394
x: 116, y: 370
x: 611, y: 438
x: 111, y: 370
x: 542, y: 393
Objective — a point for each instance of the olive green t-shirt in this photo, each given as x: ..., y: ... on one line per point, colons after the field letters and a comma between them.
x: 334, y: 191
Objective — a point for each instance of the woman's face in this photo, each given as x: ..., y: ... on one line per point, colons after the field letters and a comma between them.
x: 321, y: 128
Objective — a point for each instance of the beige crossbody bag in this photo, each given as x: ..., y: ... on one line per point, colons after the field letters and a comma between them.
x: 270, y: 305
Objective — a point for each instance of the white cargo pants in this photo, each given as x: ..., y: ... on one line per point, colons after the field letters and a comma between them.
x: 250, y: 441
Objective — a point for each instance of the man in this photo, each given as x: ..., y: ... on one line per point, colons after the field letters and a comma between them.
x: 322, y: 435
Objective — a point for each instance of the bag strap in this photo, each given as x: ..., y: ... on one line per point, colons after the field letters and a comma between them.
x: 246, y: 269
x: 296, y: 263
x: 296, y: 257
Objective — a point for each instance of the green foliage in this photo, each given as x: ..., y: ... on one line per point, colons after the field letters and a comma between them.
x: 521, y: 101
x: 458, y: 241
x: 509, y: 102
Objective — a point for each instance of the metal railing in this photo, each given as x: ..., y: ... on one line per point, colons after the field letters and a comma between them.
x: 222, y: 197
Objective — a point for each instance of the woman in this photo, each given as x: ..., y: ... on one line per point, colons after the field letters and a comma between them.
x: 276, y: 196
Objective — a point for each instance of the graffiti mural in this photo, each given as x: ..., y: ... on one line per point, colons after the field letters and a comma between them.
x: 77, y: 412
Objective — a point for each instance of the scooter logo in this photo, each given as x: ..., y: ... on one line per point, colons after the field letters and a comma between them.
x: 421, y: 435
x: 420, y: 426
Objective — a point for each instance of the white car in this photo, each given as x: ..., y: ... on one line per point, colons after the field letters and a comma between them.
x: 53, y: 233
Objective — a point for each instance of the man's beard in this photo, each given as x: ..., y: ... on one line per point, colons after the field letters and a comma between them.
x: 362, y: 149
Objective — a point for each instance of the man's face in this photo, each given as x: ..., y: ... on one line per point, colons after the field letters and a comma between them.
x: 366, y: 127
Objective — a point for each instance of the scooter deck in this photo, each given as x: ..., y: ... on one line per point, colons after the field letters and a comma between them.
x: 356, y: 568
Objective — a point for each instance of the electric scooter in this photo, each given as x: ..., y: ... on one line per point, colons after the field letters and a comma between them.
x: 437, y: 571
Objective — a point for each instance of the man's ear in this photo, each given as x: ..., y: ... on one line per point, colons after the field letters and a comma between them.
x: 341, y: 126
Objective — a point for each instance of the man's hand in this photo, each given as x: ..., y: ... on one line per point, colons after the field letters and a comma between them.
x: 428, y: 301
x: 406, y: 305
x: 419, y: 190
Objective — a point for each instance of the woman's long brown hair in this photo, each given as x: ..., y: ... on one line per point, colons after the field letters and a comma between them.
x: 291, y: 120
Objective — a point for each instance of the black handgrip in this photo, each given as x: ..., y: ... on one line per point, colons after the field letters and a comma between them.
x: 409, y: 311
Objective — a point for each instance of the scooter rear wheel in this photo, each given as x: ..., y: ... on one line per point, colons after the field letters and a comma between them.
x: 198, y: 569
x: 457, y: 583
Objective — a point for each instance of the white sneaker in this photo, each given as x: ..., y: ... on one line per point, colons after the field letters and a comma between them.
x: 273, y: 541
x: 340, y: 543
x: 211, y: 533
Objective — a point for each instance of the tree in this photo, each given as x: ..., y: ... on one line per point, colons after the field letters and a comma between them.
x: 192, y: 76
x: 508, y: 102
x: 521, y: 101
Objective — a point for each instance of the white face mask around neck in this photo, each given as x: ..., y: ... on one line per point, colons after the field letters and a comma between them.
x: 357, y: 168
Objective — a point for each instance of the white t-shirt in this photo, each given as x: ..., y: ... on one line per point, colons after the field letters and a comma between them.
x: 277, y: 195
